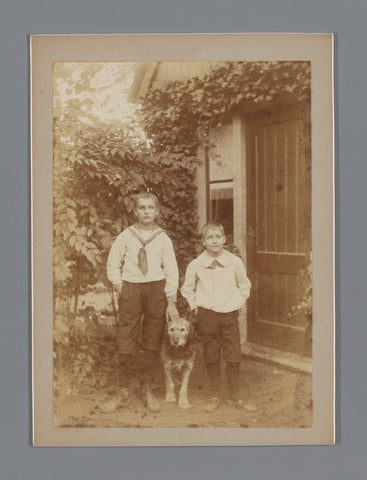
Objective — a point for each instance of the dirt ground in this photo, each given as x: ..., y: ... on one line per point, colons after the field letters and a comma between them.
x: 273, y: 396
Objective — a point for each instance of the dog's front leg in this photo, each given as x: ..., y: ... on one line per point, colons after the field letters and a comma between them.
x: 170, y: 386
x: 182, y: 396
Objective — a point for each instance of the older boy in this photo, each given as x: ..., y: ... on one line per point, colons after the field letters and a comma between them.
x: 216, y: 287
x: 142, y: 267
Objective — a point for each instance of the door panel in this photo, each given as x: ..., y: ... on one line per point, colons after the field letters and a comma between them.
x: 279, y: 213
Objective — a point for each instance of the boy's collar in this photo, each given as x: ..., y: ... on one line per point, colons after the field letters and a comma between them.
x: 206, y: 260
x: 155, y: 227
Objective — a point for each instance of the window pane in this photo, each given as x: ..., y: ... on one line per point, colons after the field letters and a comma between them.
x: 221, y: 206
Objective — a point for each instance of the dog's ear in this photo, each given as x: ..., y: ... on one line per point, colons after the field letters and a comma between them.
x: 166, y: 328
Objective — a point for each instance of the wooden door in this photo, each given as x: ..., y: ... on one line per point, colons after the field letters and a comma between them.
x: 279, y: 230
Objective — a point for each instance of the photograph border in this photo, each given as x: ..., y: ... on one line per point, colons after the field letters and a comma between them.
x: 317, y: 48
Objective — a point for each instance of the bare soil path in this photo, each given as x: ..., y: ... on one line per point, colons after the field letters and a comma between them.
x: 273, y: 396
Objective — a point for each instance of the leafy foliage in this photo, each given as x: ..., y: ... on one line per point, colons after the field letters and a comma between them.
x: 179, y: 117
x: 99, y: 163
x: 178, y: 120
x: 303, y: 308
x: 87, y: 353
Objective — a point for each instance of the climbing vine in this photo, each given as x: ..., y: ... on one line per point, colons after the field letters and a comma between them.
x: 177, y: 117
x: 99, y: 164
x: 178, y: 120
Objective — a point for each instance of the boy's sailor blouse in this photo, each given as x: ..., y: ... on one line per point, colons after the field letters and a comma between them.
x: 122, y: 262
x: 222, y: 286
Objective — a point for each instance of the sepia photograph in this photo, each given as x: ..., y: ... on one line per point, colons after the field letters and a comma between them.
x: 182, y: 226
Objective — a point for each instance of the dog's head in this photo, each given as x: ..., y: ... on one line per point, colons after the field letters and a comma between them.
x: 179, y: 332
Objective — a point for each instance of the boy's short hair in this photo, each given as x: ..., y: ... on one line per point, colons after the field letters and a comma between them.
x: 145, y: 195
x: 211, y: 226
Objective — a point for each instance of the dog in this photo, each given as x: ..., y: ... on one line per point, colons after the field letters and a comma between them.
x: 178, y: 354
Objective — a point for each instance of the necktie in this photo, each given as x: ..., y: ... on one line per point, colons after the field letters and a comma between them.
x: 142, y: 260
x: 142, y: 254
x: 215, y: 264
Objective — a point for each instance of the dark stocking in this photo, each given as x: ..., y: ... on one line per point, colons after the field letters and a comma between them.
x: 232, y: 373
x: 213, y: 370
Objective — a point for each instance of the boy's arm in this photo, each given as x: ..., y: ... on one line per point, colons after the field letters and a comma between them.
x: 171, y: 271
x: 188, y: 289
x: 115, y: 261
x: 243, y: 283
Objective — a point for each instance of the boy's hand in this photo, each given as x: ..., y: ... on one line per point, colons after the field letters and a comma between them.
x: 193, y: 315
x: 172, y: 312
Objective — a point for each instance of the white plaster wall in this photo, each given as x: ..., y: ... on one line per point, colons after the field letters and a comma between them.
x: 200, y: 181
x: 229, y: 143
x: 221, y: 156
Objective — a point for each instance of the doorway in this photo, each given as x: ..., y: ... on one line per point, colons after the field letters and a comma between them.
x: 278, y: 198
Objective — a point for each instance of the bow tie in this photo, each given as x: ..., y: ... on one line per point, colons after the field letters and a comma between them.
x: 215, y: 264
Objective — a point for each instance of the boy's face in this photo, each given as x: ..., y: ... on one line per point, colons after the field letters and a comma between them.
x: 213, y: 241
x: 146, y: 211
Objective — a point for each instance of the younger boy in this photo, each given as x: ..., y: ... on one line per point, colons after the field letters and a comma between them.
x: 142, y: 267
x: 216, y: 287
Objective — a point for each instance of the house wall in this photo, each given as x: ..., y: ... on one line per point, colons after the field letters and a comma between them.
x: 227, y: 160
x: 221, y: 156
x: 200, y: 181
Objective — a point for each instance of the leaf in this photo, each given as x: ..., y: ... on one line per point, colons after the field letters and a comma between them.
x: 72, y: 240
x: 71, y: 213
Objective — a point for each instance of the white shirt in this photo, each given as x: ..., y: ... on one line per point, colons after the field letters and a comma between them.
x: 222, y: 289
x: 122, y: 262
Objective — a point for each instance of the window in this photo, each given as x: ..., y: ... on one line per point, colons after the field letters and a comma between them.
x: 220, y: 178
x: 221, y: 205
